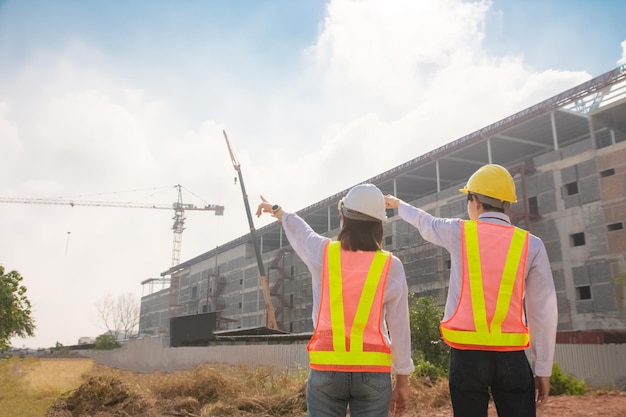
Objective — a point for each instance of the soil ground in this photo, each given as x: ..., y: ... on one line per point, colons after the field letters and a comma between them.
x: 600, y: 404
x: 214, y: 391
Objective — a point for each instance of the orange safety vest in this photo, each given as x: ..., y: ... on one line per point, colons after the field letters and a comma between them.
x: 347, y: 336
x: 489, y: 315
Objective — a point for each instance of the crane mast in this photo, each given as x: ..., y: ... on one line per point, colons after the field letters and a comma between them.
x: 179, y: 212
x: 269, y: 308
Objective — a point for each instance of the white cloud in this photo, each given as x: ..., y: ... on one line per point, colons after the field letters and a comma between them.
x: 622, y: 60
x: 10, y: 147
x: 385, y: 55
x: 400, y: 79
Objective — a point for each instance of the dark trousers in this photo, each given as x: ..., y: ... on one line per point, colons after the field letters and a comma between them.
x: 474, y: 373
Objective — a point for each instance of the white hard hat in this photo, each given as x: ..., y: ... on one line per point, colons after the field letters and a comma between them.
x: 364, y: 202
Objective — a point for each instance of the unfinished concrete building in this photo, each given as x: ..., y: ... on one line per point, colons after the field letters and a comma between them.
x: 568, y: 157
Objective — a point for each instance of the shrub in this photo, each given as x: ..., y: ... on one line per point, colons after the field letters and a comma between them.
x: 562, y: 383
x: 428, y: 371
x: 426, y: 342
x: 106, y: 342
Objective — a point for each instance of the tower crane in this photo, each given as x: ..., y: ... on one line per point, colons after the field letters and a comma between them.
x: 179, y: 212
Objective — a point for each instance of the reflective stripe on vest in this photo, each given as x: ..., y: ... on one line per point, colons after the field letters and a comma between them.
x: 489, y: 336
x: 335, y: 355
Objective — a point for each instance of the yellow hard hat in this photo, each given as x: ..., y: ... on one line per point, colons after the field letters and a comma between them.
x: 492, y: 181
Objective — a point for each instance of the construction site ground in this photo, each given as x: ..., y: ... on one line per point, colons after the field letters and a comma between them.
x: 598, y: 404
x: 226, y: 390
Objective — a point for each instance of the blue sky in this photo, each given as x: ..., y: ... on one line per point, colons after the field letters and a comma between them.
x: 98, y: 99
x: 534, y: 28
x: 156, y: 41
x: 542, y: 30
x: 152, y: 41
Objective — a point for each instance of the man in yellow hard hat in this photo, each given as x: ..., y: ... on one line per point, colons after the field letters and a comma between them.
x: 501, y: 300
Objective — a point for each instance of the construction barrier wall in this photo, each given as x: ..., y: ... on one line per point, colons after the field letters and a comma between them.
x: 600, y: 366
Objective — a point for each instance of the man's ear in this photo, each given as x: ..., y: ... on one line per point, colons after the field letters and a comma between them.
x: 476, y: 202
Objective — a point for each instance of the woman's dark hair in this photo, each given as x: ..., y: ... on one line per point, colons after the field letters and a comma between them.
x: 361, y: 235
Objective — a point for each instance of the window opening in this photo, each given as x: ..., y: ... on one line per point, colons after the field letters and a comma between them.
x: 571, y: 188
x: 607, y: 173
x: 578, y: 239
x: 583, y: 293
x: 533, y: 205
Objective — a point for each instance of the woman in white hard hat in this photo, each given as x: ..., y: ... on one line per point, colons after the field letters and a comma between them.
x: 501, y: 300
x: 360, y: 310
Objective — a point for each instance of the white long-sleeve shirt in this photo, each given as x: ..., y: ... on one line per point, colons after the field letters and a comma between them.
x: 395, y: 322
x: 539, y: 293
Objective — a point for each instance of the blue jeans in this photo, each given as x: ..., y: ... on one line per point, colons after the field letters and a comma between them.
x: 329, y: 393
x: 473, y: 373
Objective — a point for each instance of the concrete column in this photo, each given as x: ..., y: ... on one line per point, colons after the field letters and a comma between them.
x: 438, y: 179
x: 555, y: 139
x: 563, y: 228
x: 328, y: 224
x: 612, y: 137
x: 592, y: 132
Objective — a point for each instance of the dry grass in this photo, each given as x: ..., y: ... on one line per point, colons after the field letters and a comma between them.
x: 73, y: 388
x: 60, y: 375
x: 429, y: 395
x: 206, y: 390
x: 30, y: 386
x: 81, y: 388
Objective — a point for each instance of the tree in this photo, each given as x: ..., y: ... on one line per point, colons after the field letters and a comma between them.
x: 106, y: 342
x: 119, y: 315
x: 426, y: 342
x: 15, y: 309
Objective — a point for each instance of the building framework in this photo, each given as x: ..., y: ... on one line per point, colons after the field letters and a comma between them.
x: 568, y: 157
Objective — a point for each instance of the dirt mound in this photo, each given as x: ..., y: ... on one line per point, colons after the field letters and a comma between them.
x: 102, y: 395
